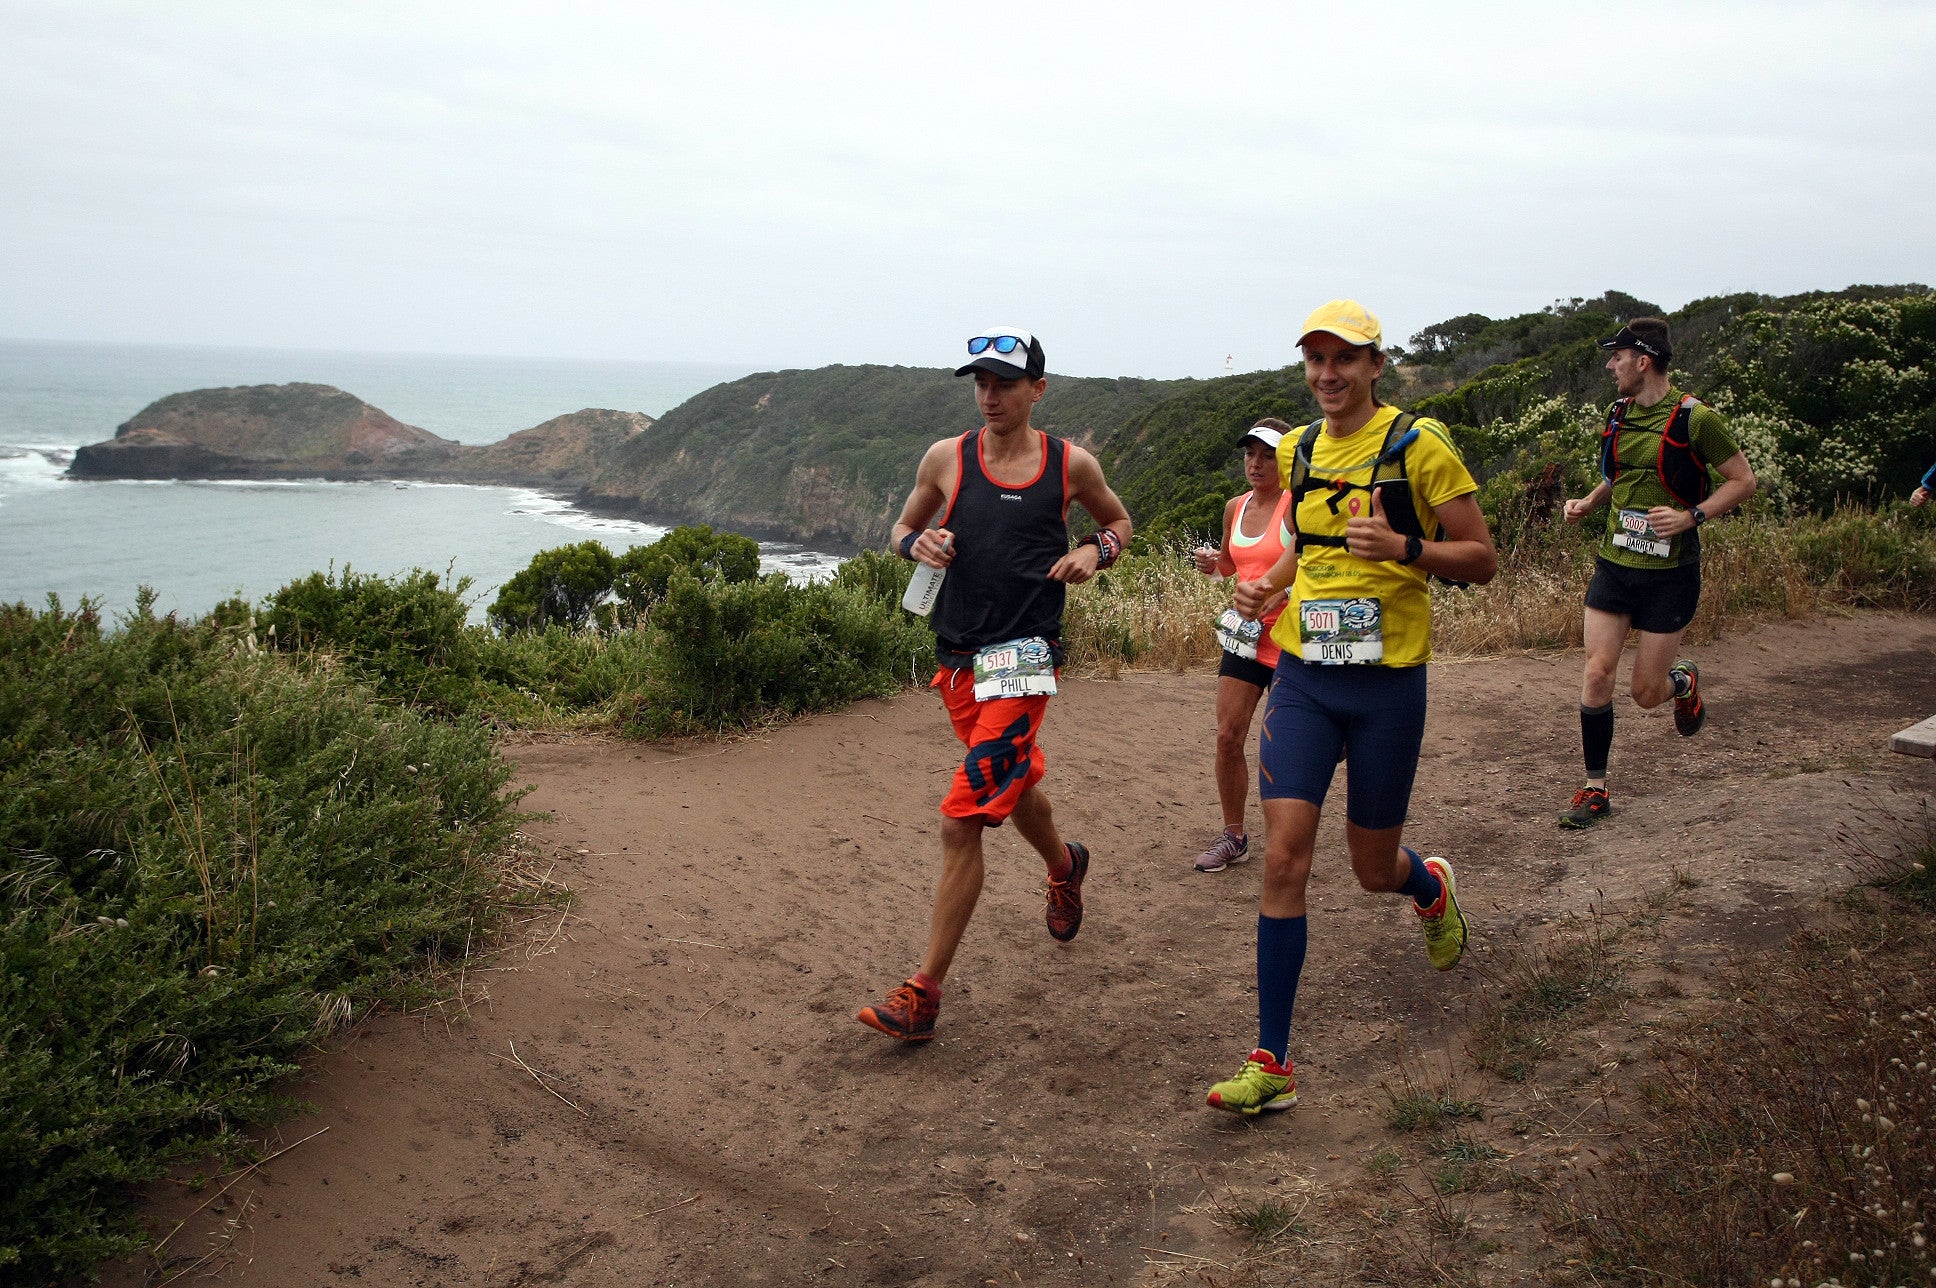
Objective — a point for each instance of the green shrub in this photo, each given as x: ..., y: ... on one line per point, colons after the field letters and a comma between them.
x: 729, y: 655
x: 407, y: 635
x: 212, y: 854
x: 878, y: 574
x: 559, y: 587
x: 643, y: 573
x: 1883, y: 559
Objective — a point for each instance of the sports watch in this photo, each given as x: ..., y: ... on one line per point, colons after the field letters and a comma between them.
x: 1700, y: 515
x: 1414, y: 547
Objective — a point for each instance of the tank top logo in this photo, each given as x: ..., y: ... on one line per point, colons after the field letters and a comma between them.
x: 1011, y: 496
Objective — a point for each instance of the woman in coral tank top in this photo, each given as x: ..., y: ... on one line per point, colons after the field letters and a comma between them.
x: 1254, y: 537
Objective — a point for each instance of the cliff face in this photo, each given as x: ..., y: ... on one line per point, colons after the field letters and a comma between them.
x: 261, y: 431
x: 316, y: 431
x: 565, y: 451
x: 826, y: 456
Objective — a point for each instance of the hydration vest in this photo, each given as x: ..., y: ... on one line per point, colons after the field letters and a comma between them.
x: 1682, y: 471
x: 1387, y: 474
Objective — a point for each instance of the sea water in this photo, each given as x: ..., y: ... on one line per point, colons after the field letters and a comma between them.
x: 198, y: 542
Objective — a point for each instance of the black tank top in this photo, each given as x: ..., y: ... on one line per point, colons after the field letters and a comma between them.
x: 1006, y: 540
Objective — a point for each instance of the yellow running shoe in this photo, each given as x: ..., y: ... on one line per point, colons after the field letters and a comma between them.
x: 1443, y: 923
x: 1262, y: 1084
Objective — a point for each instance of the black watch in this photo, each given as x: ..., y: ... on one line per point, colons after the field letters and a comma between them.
x: 1700, y: 515
x: 1414, y: 547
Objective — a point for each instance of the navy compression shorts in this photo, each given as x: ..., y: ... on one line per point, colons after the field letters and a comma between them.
x: 1375, y: 714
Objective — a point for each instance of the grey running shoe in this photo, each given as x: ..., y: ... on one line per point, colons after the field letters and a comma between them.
x: 1689, y: 713
x: 1589, y: 807
x: 1228, y: 850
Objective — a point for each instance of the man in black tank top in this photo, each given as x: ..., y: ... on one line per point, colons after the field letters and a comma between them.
x: 989, y: 507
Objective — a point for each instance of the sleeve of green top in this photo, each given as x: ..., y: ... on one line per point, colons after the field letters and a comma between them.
x: 1712, y: 438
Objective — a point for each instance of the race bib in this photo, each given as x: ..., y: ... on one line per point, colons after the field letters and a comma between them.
x: 1637, y: 535
x: 1016, y: 669
x: 1237, y: 635
x: 1338, y: 632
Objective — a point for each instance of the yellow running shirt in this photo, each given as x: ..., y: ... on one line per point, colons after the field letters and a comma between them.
x: 1437, y: 475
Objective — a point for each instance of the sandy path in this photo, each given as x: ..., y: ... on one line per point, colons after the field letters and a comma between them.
x: 730, y: 1123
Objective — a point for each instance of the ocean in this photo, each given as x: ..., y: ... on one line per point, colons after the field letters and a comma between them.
x: 198, y: 542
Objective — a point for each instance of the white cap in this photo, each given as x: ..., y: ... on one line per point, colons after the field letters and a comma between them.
x: 1024, y: 361
x: 1264, y: 434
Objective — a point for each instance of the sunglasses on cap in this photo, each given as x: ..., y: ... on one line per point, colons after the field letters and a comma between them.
x: 999, y: 343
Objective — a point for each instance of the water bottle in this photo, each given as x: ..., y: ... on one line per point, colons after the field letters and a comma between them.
x: 925, y: 584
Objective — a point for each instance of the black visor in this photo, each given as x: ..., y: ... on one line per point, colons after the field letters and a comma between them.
x: 1626, y: 339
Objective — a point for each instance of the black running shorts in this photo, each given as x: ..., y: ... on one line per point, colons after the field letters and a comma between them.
x: 1659, y: 601
x: 1247, y: 669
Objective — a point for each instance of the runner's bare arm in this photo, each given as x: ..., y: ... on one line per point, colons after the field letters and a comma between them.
x: 1738, y: 484
x: 1253, y: 598
x: 1092, y: 492
x: 933, y: 481
x: 1466, y: 553
x: 1578, y: 508
x: 1217, y: 562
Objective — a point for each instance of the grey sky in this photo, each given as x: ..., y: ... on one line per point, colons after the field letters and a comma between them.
x: 1149, y: 187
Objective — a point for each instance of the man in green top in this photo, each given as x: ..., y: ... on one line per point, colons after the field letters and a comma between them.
x: 1656, y: 458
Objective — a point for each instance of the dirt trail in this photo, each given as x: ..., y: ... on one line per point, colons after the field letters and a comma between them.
x: 710, y: 1113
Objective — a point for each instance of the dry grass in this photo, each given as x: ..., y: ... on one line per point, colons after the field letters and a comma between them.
x: 1428, y: 1094
x: 1533, y: 995
x: 1155, y: 611
x: 1793, y: 1133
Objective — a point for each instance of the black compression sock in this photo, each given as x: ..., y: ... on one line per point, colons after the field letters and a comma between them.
x: 1596, y: 738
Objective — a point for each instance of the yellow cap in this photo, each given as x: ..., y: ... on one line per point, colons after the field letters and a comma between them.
x: 1346, y: 319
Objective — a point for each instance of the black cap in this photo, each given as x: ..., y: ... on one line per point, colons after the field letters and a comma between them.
x: 1004, y: 365
x: 1625, y: 338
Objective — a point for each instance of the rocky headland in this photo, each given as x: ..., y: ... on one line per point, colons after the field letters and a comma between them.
x: 319, y: 431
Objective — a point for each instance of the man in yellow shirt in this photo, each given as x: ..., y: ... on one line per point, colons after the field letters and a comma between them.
x: 1380, y: 499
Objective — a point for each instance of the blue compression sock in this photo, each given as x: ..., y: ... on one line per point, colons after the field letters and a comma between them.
x: 1280, y: 961
x: 1423, y: 885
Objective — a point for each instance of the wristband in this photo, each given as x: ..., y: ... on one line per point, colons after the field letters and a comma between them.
x: 1109, y: 547
x: 1414, y: 547
x: 907, y: 544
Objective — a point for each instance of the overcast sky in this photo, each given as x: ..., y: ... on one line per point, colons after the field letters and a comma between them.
x: 1150, y: 187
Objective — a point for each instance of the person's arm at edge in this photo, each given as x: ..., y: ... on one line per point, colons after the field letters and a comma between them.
x: 923, y: 504
x: 1923, y: 489
x: 1092, y: 492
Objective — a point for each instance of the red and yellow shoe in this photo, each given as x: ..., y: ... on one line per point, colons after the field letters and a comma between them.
x: 1443, y: 923
x: 1262, y: 1085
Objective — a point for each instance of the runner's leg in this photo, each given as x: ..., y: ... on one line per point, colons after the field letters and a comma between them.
x: 1378, y: 861
x: 1035, y: 820
x: 1651, y: 684
x: 955, y: 897
x: 1236, y: 707
x: 1606, y: 636
x: 1290, y: 828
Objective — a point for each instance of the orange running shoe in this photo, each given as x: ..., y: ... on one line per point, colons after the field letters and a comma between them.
x: 1065, y: 897
x: 907, y: 1014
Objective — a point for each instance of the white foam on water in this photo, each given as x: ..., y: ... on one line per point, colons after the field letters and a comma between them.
x: 33, y: 466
